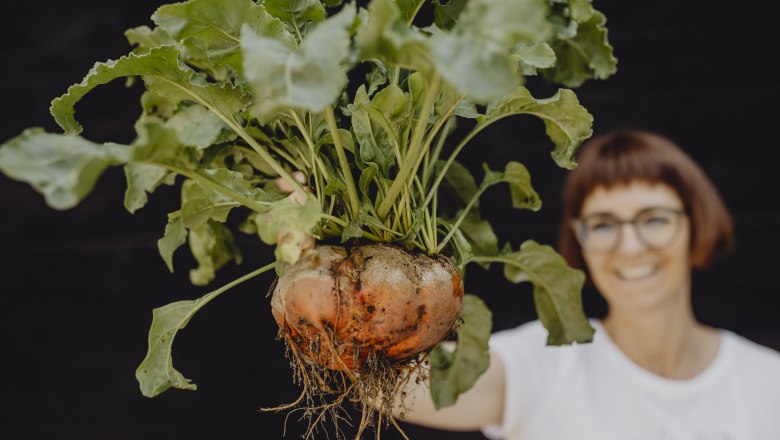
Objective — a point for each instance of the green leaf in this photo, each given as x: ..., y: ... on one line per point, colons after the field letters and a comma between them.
x: 142, y: 179
x: 156, y: 373
x: 557, y: 291
x: 296, y: 13
x: 175, y: 236
x: 446, y: 14
x: 380, y: 74
x: 310, y: 78
x: 409, y: 8
x: 479, y: 235
x: 163, y: 72
x: 158, y: 144
x: 581, y: 10
x: 475, y: 56
x: 352, y: 230
x: 586, y: 55
x: 211, y: 29
x: 196, y: 126
x: 288, y: 224
x: 61, y: 167
x: 393, y: 103
x: 375, y: 146
x: 567, y: 122
x: 414, y: 229
x: 213, y: 246
x: 202, y: 205
x: 453, y: 373
x: 463, y: 185
x: 519, y: 180
x: 145, y: 38
x: 531, y: 57
x: 385, y: 36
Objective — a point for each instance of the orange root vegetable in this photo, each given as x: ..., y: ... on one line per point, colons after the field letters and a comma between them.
x: 339, y: 306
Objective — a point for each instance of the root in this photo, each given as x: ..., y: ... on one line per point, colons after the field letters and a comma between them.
x: 374, y: 390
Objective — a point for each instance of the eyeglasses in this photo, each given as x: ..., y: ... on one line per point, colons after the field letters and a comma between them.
x: 655, y: 227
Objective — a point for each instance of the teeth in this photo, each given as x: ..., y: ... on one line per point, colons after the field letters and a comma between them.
x: 633, y: 273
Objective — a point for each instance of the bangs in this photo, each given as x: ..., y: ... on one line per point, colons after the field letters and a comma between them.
x: 623, y: 157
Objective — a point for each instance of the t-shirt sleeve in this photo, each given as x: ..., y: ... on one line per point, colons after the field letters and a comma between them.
x: 532, y: 368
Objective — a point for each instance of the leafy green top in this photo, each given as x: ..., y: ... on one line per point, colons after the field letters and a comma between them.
x: 253, y: 105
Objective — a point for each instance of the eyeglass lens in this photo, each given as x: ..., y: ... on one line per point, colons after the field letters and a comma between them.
x: 655, y: 227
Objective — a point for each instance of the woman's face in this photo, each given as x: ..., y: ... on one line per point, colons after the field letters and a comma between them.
x: 634, y: 276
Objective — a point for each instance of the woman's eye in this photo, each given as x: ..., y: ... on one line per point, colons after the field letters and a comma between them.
x: 656, y: 221
x: 603, y: 226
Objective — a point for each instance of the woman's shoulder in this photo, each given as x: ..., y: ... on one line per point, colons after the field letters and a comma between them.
x: 753, y: 355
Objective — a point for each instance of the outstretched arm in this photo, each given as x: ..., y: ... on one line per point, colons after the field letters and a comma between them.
x: 482, y: 405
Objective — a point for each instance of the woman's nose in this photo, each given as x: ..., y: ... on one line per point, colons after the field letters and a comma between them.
x: 630, y: 243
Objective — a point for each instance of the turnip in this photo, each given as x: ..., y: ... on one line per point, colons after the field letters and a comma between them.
x: 259, y: 110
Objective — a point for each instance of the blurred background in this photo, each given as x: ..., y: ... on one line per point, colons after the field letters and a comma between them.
x: 77, y: 287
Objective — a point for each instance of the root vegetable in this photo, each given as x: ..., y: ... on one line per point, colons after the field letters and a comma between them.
x: 340, y: 306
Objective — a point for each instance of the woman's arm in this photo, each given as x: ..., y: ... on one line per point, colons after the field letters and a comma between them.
x: 482, y: 405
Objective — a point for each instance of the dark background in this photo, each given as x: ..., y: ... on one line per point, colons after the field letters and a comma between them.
x: 77, y: 287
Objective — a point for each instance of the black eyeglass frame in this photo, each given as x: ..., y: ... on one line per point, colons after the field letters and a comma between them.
x: 578, y: 225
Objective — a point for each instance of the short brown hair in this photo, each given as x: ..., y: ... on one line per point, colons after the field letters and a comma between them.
x: 625, y: 156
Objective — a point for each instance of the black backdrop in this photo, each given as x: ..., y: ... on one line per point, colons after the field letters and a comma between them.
x: 77, y: 287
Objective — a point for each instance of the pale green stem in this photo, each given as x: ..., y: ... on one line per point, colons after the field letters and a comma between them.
x: 233, y: 124
x: 449, y: 161
x: 307, y: 137
x: 411, y: 162
x: 437, y: 151
x: 215, y: 293
x: 351, y: 188
x: 460, y: 219
x: 217, y: 187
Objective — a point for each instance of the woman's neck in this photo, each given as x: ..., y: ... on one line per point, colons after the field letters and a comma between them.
x: 668, y: 342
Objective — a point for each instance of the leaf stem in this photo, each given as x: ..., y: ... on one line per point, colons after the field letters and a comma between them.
x: 411, y: 161
x: 342, y: 156
x: 202, y: 301
x: 462, y: 216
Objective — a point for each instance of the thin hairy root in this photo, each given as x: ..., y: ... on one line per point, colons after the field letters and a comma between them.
x: 373, y: 390
x: 305, y: 390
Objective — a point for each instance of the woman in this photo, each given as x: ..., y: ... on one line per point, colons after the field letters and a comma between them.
x: 639, y: 216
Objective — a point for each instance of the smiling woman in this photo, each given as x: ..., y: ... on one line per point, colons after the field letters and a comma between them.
x: 639, y: 216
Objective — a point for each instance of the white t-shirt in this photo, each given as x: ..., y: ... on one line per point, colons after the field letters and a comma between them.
x: 594, y: 392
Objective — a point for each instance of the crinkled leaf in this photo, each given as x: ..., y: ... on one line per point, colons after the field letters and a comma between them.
x: 475, y: 55
x: 379, y: 75
x: 557, y: 291
x: 288, y: 224
x: 156, y: 373
x: 141, y: 179
x: 157, y: 105
x: 463, y: 185
x: 158, y: 144
x: 311, y: 77
x: 175, y: 236
x: 567, y: 122
x: 519, y: 180
x: 374, y: 142
x: 211, y: 29
x: 586, y: 55
x: 480, y: 236
x: 453, y: 373
x: 531, y: 57
x: 163, y: 72
x: 196, y: 126
x: 393, y: 103
x: 145, y: 38
x: 201, y: 205
x: 63, y: 168
x: 344, y: 135
x: 581, y: 10
x: 213, y: 246
x: 385, y: 36
x: 352, y: 230
x: 445, y: 15
x: 296, y: 13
